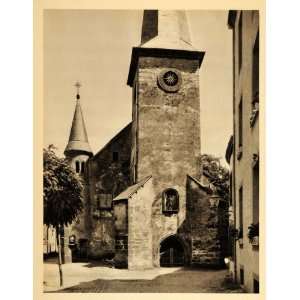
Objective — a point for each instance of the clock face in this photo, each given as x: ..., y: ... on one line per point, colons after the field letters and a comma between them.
x: 169, y: 80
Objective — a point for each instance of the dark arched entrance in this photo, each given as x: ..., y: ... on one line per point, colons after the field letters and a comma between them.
x: 171, y: 252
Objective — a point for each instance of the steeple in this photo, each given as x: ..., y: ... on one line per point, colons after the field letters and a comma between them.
x: 78, y: 139
x: 165, y: 33
x: 166, y: 29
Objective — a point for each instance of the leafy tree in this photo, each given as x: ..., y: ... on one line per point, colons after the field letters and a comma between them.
x: 219, y: 177
x: 217, y: 174
x: 62, y: 193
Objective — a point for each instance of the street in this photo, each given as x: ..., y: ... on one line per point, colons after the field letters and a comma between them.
x: 97, y: 278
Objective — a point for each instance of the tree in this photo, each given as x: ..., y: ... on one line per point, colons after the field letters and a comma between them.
x: 217, y: 175
x: 62, y: 193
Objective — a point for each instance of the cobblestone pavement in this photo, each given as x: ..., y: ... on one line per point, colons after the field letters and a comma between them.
x: 160, y: 280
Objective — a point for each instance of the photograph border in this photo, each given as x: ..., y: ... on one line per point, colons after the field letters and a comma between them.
x: 39, y: 7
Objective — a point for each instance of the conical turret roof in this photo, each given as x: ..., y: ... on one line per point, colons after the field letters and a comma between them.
x: 78, y: 140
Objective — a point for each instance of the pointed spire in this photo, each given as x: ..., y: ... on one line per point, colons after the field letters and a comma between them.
x: 78, y: 140
x: 165, y: 33
x: 167, y: 29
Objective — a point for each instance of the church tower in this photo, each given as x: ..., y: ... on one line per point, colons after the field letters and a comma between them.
x: 78, y: 149
x: 164, y: 76
x: 77, y: 152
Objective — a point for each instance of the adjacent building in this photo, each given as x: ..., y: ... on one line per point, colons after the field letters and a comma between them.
x: 243, y: 149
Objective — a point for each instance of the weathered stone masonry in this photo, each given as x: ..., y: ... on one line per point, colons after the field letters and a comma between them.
x: 108, y: 175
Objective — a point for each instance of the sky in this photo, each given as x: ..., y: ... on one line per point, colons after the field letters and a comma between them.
x: 94, y: 47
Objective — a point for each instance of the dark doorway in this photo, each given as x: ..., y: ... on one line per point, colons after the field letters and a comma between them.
x: 79, y: 252
x: 171, y: 252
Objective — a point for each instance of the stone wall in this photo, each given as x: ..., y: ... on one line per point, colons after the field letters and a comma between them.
x: 121, y: 227
x: 140, y: 228
x: 203, y: 217
x: 168, y: 137
x: 102, y: 238
x: 108, y: 174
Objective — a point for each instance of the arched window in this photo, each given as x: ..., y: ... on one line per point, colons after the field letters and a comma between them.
x: 170, y: 201
x: 82, y: 167
x: 77, y: 166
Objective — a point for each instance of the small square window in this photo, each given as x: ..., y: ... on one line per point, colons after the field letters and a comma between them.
x: 170, y: 201
x: 105, y: 201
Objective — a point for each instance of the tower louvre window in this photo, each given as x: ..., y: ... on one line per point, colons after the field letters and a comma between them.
x: 82, y: 167
x: 77, y: 166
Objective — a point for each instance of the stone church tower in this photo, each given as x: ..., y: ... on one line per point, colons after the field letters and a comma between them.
x: 164, y: 76
x: 77, y: 152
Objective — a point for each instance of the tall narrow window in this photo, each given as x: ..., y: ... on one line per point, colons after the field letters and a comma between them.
x: 240, y: 58
x: 255, y: 286
x: 240, y: 129
x: 255, y: 81
x: 255, y: 192
x: 242, y: 279
x: 241, y: 210
x: 115, y: 156
x: 255, y: 70
x: 241, y: 123
x: 82, y: 167
x: 230, y: 188
x: 77, y: 166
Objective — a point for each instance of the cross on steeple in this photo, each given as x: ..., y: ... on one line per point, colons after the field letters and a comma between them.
x: 78, y: 139
x: 77, y: 85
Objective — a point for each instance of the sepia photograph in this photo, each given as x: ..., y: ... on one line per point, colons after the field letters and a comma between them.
x: 152, y: 156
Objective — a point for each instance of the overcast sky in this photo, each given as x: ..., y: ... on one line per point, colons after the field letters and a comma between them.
x: 94, y: 47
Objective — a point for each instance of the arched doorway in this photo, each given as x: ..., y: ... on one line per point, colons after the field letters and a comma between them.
x: 171, y: 252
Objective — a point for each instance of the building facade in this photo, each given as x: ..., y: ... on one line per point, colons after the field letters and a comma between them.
x: 243, y: 149
x: 147, y: 204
